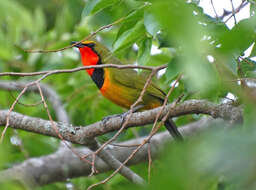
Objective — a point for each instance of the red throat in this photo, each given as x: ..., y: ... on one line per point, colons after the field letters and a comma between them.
x: 89, y: 57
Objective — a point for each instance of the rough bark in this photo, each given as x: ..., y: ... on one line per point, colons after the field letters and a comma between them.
x: 84, y: 135
x: 64, y: 164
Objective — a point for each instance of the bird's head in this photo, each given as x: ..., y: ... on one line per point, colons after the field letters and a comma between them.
x: 90, y: 53
x: 90, y: 44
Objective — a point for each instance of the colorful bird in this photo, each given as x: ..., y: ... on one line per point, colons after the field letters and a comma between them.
x: 121, y: 86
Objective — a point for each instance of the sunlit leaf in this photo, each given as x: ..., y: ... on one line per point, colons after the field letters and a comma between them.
x: 93, y: 6
x: 130, y: 20
x: 243, y: 32
x: 144, y: 51
x: 174, y: 68
x: 130, y: 36
x: 151, y: 24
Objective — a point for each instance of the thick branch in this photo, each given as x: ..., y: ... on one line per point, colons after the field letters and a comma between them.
x: 63, y: 164
x: 114, y: 163
x: 62, y: 116
x: 83, y: 135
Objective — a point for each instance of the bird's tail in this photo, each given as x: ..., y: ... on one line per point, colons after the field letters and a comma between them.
x: 173, y: 130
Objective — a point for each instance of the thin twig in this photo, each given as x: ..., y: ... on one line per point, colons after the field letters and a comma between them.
x: 93, y: 165
x: 233, y: 11
x: 148, y: 81
x: 165, y: 102
x: 130, y: 111
x: 54, y: 125
x: 83, y: 68
x: 142, y: 144
x: 214, y: 9
x: 23, y: 104
x: 114, y: 163
x: 84, y: 39
x: 244, y: 59
x: 155, y: 122
x: 10, y: 110
x: 75, y: 168
x: 242, y: 5
x: 76, y: 92
x: 48, y: 112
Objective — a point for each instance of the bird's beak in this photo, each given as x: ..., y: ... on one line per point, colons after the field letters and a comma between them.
x: 78, y: 44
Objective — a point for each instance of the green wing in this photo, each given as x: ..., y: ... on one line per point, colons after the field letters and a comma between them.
x: 131, y: 79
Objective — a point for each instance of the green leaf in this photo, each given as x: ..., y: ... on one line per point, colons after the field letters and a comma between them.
x: 130, y: 20
x: 250, y: 74
x: 130, y: 36
x: 144, y: 51
x: 231, y: 64
x: 176, y: 18
x: 164, y: 40
x: 151, y: 24
x: 173, y: 69
x: 215, y: 27
x: 160, y: 59
x: 244, y: 35
x: 93, y: 6
x: 248, y: 67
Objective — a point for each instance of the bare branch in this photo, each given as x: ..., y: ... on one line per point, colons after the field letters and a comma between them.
x: 87, y: 37
x: 134, y: 152
x: 63, y: 164
x: 83, y: 68
x: 154, y: 69
x: 114, y: 163
x: 130, y: 111
x: 242, y: 5
x: 214, y: 9
x: 83, y: 135
x: 233, y: 11
x: 118, y: 166
x: 7, y: 123
x: 62, y: 117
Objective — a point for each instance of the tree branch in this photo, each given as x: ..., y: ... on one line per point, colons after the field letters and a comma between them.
x: 62, y: 116
x: 83, y: 68
x: 84, y: 135
x: 114, y: 163
x: 63, y: 164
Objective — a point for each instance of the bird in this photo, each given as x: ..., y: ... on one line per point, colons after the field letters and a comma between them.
x: 121, y: 86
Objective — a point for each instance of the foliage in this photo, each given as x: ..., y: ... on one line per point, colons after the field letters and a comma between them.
x: 186, y: 37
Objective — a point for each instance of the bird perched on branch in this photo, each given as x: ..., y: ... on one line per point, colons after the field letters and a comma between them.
x: 121, y: 86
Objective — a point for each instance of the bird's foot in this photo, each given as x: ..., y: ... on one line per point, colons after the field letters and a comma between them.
x: 105, y: 119
x: 122, y: 116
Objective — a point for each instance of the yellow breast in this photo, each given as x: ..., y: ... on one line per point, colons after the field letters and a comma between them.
x: 115, y: 92
x: 125, y: 96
